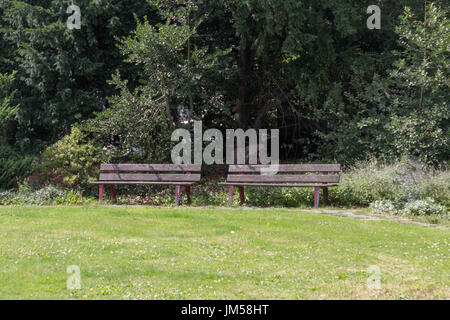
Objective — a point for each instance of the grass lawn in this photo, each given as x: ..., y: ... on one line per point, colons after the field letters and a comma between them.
x: 186, y: 253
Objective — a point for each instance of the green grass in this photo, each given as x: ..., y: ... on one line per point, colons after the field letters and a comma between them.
x: 185, y: 253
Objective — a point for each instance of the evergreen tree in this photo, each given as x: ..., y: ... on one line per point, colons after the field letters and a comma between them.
x: 62, y: 73
x: 13, y: 166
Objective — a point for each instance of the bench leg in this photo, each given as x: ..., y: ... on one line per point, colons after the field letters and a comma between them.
x: 177, y: 195
x: 230, y: 195
x: 325, y: 195
x: 188, y: 194
x: 316, y: 196
x: 241, y: 195
x: 325, y: 192
x: 112, y: 188
x: 100, y: 192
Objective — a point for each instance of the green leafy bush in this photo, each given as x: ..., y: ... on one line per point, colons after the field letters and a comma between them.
x: 425, y: 207
x: 48, y: 195
x: 401, y: 182
x: 363, y: 184
x: 437, y: 187
x: 383, y: 207
x: 73, y: 161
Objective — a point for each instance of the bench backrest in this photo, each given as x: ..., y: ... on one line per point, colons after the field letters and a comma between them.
x: 308, y: 173
x: 150, y: 172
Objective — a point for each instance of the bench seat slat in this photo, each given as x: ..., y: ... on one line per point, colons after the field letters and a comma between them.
x: 283, y: 178
x: 152, y: 167
x: 145, y: 182
x: 276, y: 185
x: 286, y: 168
x: 148, y: 177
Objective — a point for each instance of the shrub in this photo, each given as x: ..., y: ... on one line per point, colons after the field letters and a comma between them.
x: 425, y: 207
x: 73, y: 161
x: 48, y: 195
x: 13, y: 167
x: 401, y: 182
x: 363, y: 184
x: 437, y: 187
x: 383, y: 207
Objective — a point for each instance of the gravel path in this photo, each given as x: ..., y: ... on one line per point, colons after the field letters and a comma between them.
x: 351, y: 214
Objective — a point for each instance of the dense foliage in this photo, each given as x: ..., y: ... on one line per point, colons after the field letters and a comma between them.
x: 13, y: 166
x: 138, y: 69
x: 337, y: 90
x: 62, y: 74
x: 72, y: 161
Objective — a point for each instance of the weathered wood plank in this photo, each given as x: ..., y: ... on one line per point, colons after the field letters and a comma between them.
x: 287, y: 168
x: 152, y: 167
x: 148, y: 177
x: 144, y: 182
x: 237, y: 184
x: 283, y: 178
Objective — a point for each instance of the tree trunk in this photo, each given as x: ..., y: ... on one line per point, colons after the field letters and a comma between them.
x: 245, y: 65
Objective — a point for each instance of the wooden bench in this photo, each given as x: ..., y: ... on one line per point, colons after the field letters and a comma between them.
x: 150, y: 174
x: 289, y: 175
